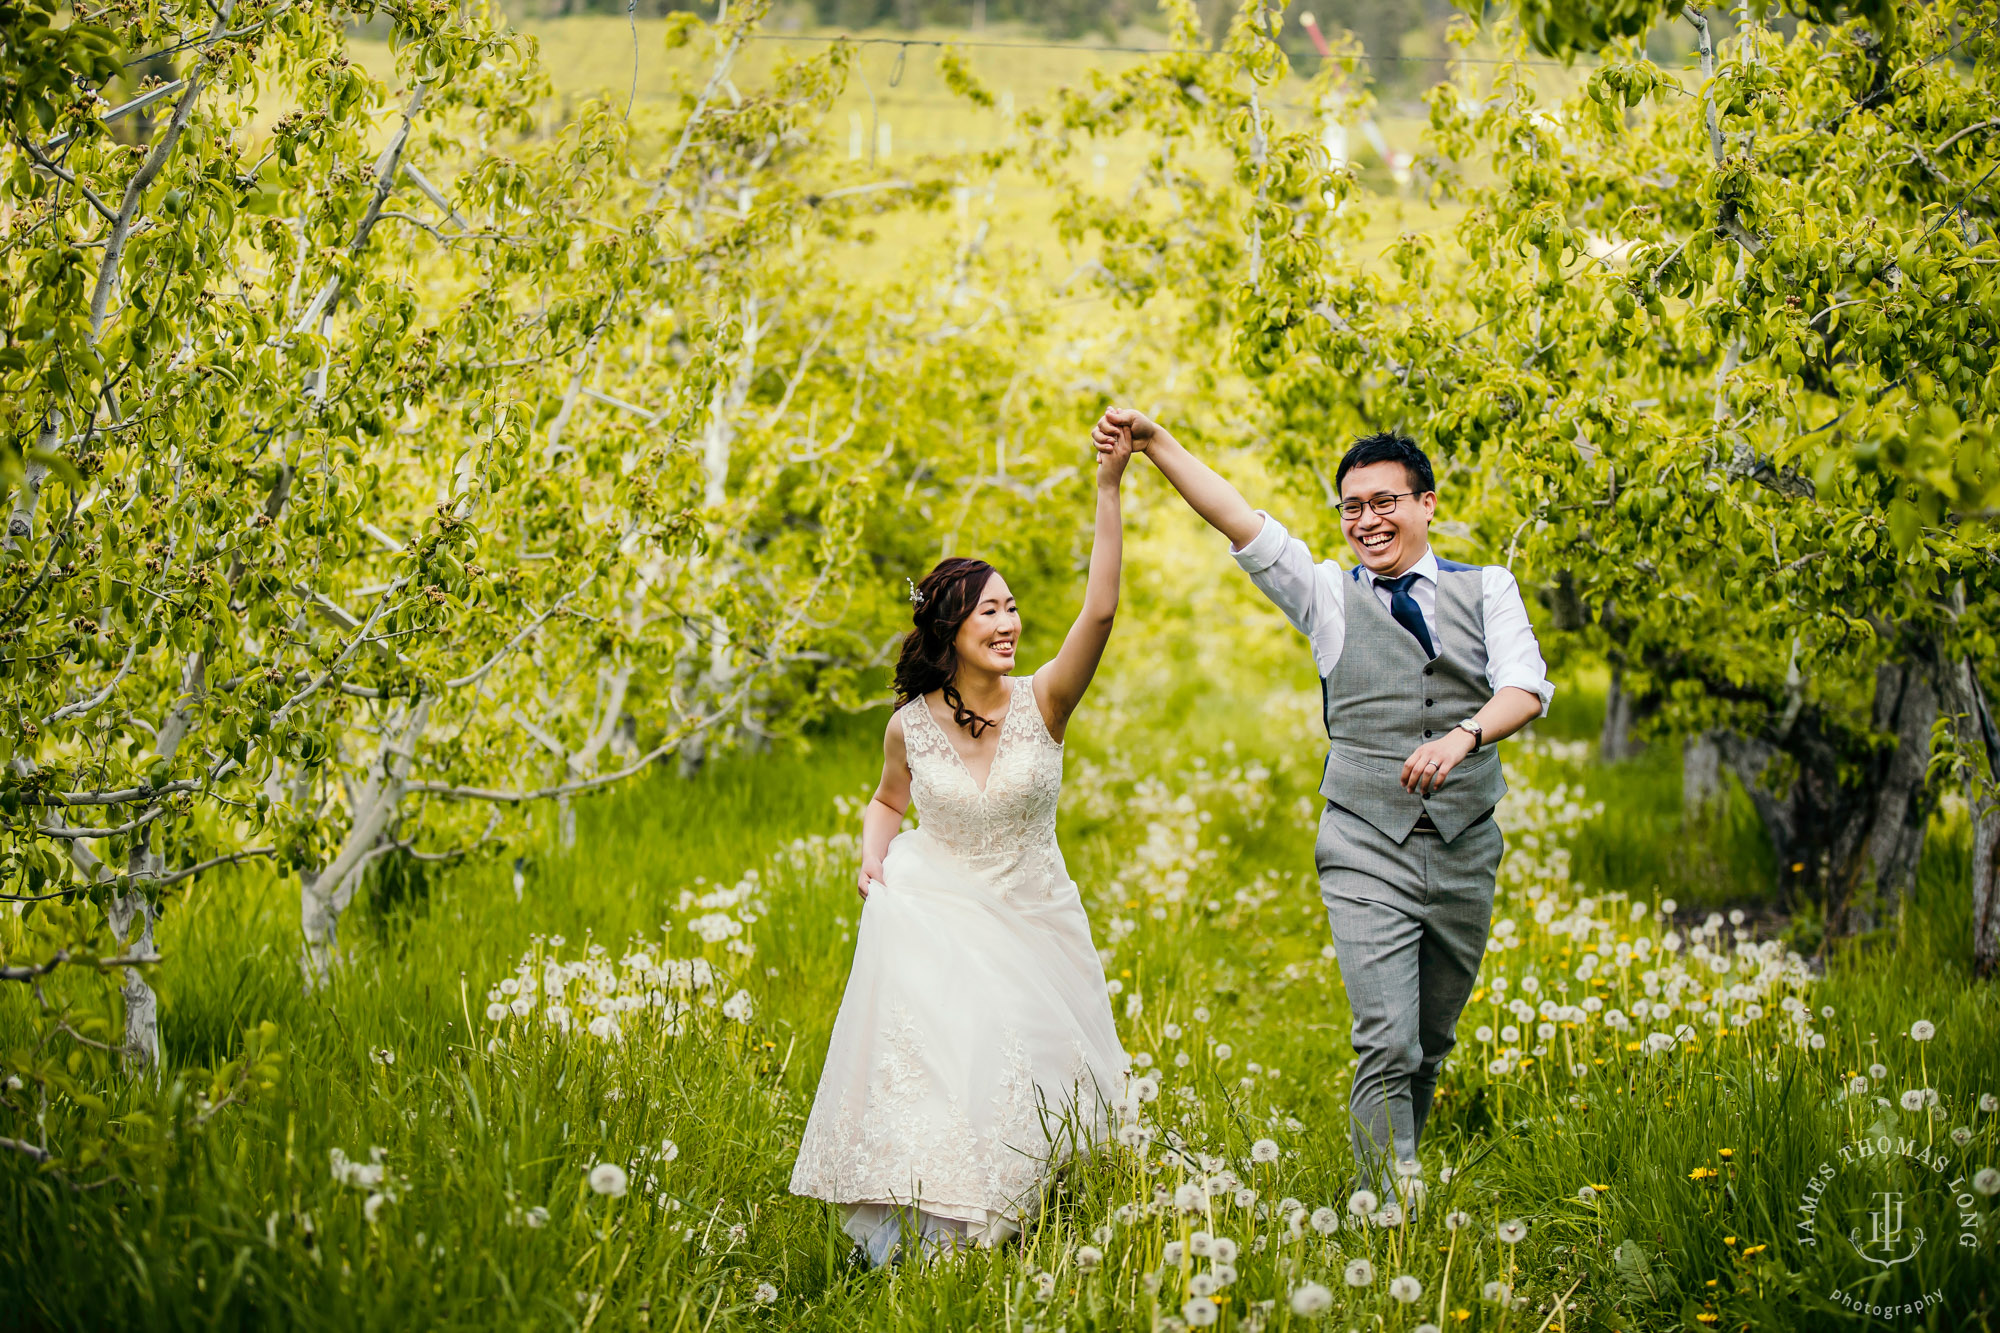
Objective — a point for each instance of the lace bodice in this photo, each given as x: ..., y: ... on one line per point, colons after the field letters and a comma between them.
x: 1007, y: 833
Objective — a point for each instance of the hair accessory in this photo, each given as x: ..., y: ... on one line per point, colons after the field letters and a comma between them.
x: 916, y: 598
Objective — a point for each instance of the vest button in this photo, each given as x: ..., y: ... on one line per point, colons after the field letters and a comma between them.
x: 1429, y: 671
x: 1430, y: 703
x: 1427, y: 734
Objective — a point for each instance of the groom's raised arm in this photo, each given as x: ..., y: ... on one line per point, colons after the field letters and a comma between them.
x: 1278, y: 563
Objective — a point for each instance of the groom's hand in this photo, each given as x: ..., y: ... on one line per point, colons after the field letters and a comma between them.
x: 1123, y: 425
x: 1425, y: 771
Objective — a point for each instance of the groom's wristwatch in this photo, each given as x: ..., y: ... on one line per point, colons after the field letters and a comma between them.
x: 1471, y: 724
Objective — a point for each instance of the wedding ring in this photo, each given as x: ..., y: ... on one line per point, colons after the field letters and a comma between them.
x: 1432, y: 764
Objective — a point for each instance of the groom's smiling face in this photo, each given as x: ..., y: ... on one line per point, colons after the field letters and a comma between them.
x: 1386, y: 544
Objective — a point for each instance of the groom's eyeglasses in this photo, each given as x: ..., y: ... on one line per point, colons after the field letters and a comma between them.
x: 1381, y: 504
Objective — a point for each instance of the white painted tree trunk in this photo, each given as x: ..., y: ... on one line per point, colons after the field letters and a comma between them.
x: 324, y: 893
x: 1701, y: 775
x: 141, y: 1044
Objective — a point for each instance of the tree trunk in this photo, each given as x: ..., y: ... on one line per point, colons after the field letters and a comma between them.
x: 1845, y: 819
x: 1964, y: 701
x: 1615, y: 743
x: 325, y: 892
x: 1701, y: 775
x: 141, y: 1044
x: 1985, y: 889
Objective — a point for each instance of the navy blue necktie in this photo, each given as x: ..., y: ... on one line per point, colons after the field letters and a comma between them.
x: 1404, y: 608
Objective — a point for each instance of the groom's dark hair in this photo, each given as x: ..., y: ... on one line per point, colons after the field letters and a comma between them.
x: 1387, y: 447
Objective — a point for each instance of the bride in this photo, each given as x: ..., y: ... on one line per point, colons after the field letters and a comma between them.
x: 974, y: 1048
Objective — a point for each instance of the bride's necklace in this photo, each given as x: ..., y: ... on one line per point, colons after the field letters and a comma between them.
x: 965, y: 717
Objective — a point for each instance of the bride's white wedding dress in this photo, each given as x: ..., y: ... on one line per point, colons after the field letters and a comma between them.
x: 974, y: 1047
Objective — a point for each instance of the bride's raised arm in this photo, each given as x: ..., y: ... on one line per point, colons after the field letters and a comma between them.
x: 1062, y: 682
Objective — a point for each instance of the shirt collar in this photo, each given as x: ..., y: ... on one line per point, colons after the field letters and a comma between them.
x: 1426, y: 567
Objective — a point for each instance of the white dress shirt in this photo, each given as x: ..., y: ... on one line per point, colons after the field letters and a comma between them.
x: 1313, y: 597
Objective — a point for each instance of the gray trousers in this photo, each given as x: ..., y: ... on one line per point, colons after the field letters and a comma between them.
x: 1409, y: 923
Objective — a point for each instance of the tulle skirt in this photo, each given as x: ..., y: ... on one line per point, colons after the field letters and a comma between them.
x: 974, y: 1051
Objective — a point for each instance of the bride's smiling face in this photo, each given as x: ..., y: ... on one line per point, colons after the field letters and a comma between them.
x: 988, y: 638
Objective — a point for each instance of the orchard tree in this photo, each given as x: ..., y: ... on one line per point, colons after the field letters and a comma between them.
x: 388, y: 457
x: 1708, y: 358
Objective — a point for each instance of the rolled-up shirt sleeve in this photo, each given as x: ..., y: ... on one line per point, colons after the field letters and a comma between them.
x: 1513, y: 655
x: 1309, y: 594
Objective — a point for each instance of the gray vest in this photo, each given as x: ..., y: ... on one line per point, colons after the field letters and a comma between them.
x: 1383, y: 699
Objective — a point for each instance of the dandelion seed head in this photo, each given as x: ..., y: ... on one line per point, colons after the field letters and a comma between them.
x: 609, y: 1179
x: 1986, y: 1180
x: 1363, y: 1202
x: 1264, y: 1150
x: 1922, y: 1030
x: 1512, y: 1232
x: 1310, y: 1300
x: 1406, y: 1289
x: 1359, y: 1273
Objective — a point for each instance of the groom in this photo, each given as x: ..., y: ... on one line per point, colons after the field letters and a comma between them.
x: 1424, y: 664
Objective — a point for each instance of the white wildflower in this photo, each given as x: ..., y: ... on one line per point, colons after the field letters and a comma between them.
x: 1310, y: 1300
x: 608, y: 1178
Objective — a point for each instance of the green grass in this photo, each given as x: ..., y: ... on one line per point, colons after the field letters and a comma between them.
x: 1642, y: 841
x: 244, y: 1225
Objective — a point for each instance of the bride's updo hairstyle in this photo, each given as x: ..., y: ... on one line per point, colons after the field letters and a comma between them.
x: 942, y: 602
